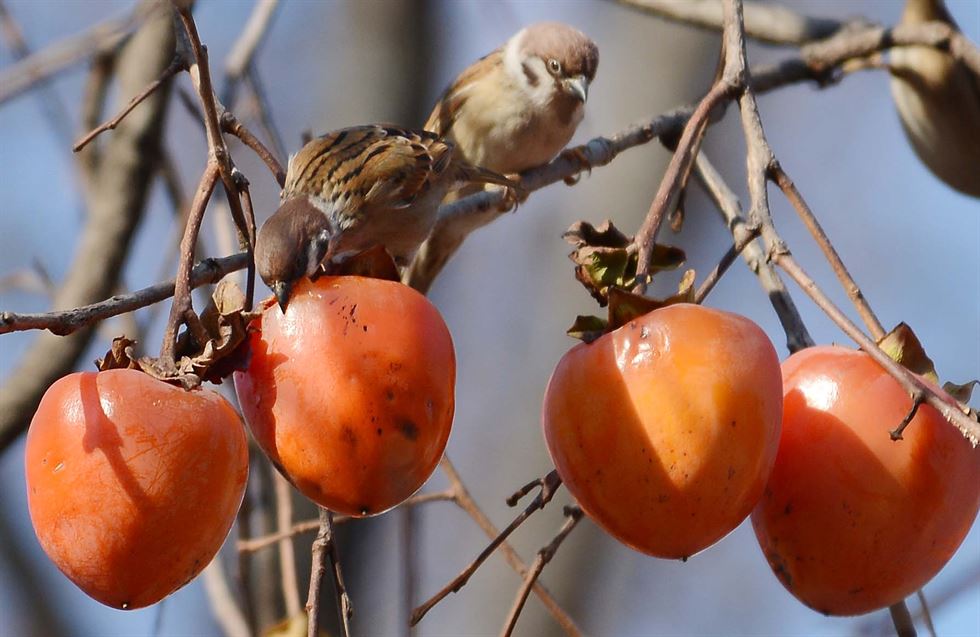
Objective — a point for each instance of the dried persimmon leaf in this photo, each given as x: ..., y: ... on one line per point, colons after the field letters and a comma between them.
x: 903, y: 346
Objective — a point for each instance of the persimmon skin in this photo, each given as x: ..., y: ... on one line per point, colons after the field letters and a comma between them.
x: 351, y: 392
x: 133, y: 484
x: 665, y: 430
x: 852, y: 521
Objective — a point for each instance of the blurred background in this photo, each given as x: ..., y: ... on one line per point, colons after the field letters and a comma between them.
x: 910, y: 241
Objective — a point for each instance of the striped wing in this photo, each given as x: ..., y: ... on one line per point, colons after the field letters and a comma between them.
x: 369, y: 166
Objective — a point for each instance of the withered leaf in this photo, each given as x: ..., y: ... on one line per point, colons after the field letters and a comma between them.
x: 961, y: 392
x: 606, y: 258
x: 903, y: 346
x: 587, y: 328
x: 122, y: 355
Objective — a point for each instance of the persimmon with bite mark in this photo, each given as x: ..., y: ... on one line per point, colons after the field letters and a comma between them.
x: 851, y: 520
x: 132, y: 483
x: 351, y: 392
x: 665, y: 429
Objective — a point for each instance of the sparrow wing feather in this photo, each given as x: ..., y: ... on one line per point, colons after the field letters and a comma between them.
x: 444, y: 113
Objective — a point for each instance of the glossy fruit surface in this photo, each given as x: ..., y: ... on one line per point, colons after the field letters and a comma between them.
x: 852, y: 521
x: 132, y: 483
x: 351, y: 391
x: 665, y: 430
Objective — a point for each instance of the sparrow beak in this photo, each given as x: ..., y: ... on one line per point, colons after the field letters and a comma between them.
x: 577, y: 86
x: 282, y: 289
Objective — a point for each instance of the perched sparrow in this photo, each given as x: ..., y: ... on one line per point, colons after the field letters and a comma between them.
x: 938, y: 100
x: 356, y: 188
x: 518, y: 107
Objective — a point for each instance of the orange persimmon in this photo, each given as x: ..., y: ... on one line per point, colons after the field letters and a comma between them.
x: 351, y: 392
x: 665, y: 429
x: 132, y: 483
x: 851, y: 520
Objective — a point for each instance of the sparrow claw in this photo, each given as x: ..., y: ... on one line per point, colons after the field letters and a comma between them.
x: 513, y: 197
x: 577, y: 154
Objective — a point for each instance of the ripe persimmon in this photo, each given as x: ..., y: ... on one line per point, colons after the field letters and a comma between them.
x: 351, y: 392
x: 665, y: 429
x: 851, y: 520
x: 132, y: 483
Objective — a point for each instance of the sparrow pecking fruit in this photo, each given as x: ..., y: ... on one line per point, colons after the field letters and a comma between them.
x: 938, y: 100
x: 517, y: 107
x: 356, y: 188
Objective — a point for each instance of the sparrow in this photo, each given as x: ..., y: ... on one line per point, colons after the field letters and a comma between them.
x: 513, y: 109
x: 938, y: 101
x: 356, y: 188
x: 518, y: 106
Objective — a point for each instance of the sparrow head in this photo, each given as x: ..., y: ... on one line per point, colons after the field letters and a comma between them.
x: 553, y: 61
x: 290, y: 245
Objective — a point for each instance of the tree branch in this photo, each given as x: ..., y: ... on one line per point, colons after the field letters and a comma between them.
x: 768, y: 23
x: 116, y: 206
x: 573, y: 516
x: 58, y: 57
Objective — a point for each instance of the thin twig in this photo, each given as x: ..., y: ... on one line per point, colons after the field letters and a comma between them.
x: 926, y: 615
x: 792, y: 194
x: 912, y: 384
x: 466, y: 502
x: 58, y: 57
x: 573, y: 516
x: 259, y: 543
x: 769, y: 23
x: 52, y: 106
x: 230, y: 124
x: 176, y: 66
x: 223, y: 605
x: 896, y: 433
x: 182, y: 288
x: 242, y: 54
x: 902, y: 619
x: 549, y: 487
x: 670, y: 186
x: 724, y: 263
x: 797, y: 336
x: 287, y: 558
x: 324, y: 546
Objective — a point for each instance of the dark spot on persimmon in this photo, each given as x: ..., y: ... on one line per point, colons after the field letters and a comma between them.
x: 379, y: 431
x: 389, y: 394
x: 408, y: 429
x: 788, y: 509
x: 348, y: 436
x: 731, y: 472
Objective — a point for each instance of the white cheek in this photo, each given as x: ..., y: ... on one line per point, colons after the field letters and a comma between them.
x: 543, y: 92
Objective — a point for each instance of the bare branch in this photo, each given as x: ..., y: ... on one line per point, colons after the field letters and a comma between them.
x: 116, y: 207
x: 764, y: 22
x: 177, y: 65
x: 926, y: 614
x: 793, y: 195
x: 239, y: 61
x: 287, y: 558
x: 902, y: 620
x: 549, y: 487
x: 573, y: 516
x: 675, y: 177
x: 56, y: 58
x: 323, y: 546
x: 52, y: 106
x: 466, y: 502
x: 223, y: 605
x: 797, y: 336
x: 256, y: 544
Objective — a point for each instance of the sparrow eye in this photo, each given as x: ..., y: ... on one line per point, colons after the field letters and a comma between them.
x: 554, y: 66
